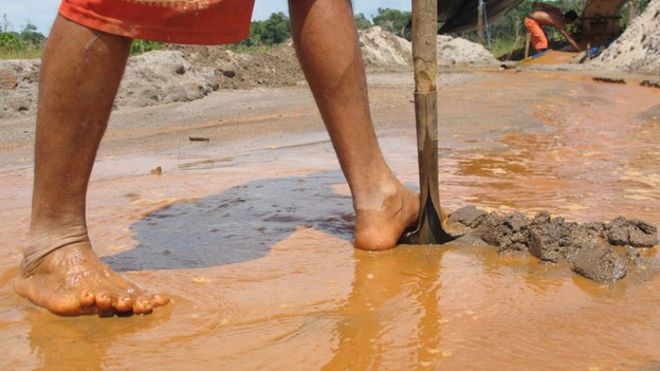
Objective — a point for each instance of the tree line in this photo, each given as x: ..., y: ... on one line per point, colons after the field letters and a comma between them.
x: 276, y: 29
x: 27, y: 38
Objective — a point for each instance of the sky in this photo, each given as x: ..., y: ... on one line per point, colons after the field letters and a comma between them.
x: 42, y: 12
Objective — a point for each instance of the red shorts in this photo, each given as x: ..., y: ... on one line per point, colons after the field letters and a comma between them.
x: 539, y: 40
x: 173, y: 21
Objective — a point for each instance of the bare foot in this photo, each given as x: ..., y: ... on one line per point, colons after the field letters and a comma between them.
x: 73, y: 281
x: 380, y: 229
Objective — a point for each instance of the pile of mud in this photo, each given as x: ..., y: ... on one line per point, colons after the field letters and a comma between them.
x: 455, y: 51
x: 603, y: 252
x: 638, y: 48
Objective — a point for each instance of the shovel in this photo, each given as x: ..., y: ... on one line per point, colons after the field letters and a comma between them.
x: 430, y: 229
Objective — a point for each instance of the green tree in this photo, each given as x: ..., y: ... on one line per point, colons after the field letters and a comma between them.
x: 362, y: 22
x: 272, y: 31
x: 276, y: 29
x: 11, y: 41
x: 30, y: 35
x: 392, y: 20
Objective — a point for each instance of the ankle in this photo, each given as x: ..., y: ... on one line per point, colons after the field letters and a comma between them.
x: 374, y: 194
x: 44, y: 240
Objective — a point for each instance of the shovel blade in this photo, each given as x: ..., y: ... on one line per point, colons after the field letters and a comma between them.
x: 430, y: 229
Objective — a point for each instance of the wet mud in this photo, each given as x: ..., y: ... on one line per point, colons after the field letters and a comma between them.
x: 588, y: 248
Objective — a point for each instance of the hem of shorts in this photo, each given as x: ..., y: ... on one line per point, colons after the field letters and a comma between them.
x: 119, y: 28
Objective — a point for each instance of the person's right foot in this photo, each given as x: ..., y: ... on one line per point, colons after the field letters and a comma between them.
x: 381, y: 229
x: 73, y: 281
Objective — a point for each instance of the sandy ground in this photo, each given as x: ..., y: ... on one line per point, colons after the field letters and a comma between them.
x: 250, y: 233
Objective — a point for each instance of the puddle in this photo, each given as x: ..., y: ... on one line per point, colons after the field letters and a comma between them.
x: 238, y: 225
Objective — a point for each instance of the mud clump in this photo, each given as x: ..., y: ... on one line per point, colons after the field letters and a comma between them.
x: 600, y: 264
x: 468, y: 216
x: 587, y: 248
x: 622, y: 231
x: 509, y: 233
x: 550, y: 238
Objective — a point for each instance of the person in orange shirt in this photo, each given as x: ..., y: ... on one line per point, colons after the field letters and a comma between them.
x: 83, y: 63
x: 548, y: 15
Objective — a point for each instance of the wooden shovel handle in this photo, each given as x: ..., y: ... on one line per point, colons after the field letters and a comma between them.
x: 424, y: 44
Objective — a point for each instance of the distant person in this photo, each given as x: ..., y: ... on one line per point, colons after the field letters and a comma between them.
x: 548, y: 15
x: 83, y: 64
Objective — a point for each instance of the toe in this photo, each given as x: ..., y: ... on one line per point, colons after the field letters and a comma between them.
x: 104, y: 302
x: 125, y: 304
x: 142, y: 305
x: 87, y: 299
x: 159, y: 299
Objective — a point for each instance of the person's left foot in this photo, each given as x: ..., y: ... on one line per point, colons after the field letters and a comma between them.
x: 73, y: 281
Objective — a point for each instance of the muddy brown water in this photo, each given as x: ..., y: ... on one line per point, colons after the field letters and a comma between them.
x: 254, y: 245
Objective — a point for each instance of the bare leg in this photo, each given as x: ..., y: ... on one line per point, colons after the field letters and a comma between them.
x: 79, y: 80
x: 326, y: 42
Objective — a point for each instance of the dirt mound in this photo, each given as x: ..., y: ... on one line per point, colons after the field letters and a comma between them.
x: 18, y: 87
x: 186, y: 73
x: 382, y: 49
x: 181, y: 74
x: 455, y: 51
x: 385, y: 50
x: 638, y: 48
x: 588, y: 248
x: 163, y: 77
x: 274, y: 67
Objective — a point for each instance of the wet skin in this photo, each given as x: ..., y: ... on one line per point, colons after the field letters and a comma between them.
x: 80, y: 76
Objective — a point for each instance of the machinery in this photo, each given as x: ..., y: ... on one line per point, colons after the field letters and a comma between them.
x: 599, y: 23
